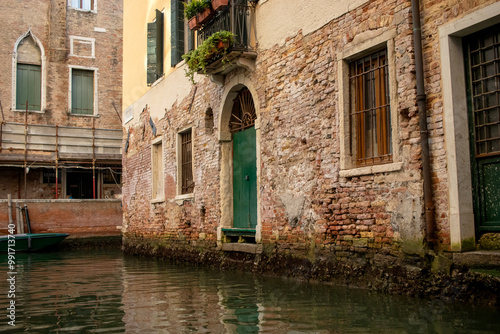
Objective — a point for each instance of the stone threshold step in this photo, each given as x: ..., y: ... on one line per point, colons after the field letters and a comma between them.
x: 481, y: 258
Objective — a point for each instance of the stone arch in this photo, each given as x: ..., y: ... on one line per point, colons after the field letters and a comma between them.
x: 38, y: 59
x: 225, y: 138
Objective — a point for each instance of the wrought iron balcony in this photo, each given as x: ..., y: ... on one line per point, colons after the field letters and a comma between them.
x: 239, y: 18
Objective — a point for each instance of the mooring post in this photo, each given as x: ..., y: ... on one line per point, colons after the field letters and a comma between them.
x: 19, y: 219
x: 9, y: 199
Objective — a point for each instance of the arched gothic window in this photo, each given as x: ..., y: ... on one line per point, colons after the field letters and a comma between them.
x: 28, y: 71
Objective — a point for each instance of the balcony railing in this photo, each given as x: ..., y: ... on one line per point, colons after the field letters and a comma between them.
x: 239, y: 18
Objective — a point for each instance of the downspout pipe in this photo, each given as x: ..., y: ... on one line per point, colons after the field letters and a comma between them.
x: 424, y: 132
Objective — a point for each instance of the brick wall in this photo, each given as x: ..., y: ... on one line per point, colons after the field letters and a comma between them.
x: 78, y: 218
x: 306, y: 206
x: 52, y: 22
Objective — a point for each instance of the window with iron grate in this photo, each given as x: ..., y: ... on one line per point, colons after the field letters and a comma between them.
x: 370, y: 115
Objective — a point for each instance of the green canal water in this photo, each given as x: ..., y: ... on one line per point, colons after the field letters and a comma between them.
x: 106, y: 292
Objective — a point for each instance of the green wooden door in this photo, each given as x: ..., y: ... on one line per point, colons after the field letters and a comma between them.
x: 244, y: 179
x: 482, y: 55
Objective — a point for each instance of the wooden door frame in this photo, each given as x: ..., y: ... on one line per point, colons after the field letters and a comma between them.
x: 456, y: 125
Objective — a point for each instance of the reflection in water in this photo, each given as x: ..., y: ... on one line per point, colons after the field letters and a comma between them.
x: 99, y: 292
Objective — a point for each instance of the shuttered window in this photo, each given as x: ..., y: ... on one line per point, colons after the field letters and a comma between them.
x: 370, y: 110
x: 82, y: 92
x: 28, y: 87
x: 155, y: 48
x: 186, y: 163
x: 177, y: 31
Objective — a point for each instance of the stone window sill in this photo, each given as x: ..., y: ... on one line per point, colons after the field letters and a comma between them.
x: 30, y: 111
x: 157, y: 200
x: 179, y: 199
x: 392, y: 167
x: 83, y: 115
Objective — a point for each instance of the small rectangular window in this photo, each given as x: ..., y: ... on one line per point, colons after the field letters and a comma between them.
x: 157, y: 170
x: 83, y: 4
x: 49, y: 176
x: 370, y: 118
x: 28, y: 87
x: 82, y: 92
x: 186, y: 163
x: 111, y: 176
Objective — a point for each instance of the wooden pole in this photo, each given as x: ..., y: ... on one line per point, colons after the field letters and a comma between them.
x: 19, y: 218
x: 9, y: 199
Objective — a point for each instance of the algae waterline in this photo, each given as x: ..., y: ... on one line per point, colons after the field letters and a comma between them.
x: 106, y: 291
x: 424, y: 277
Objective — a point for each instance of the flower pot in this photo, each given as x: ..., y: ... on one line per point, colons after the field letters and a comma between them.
x: 219, y: 4
x: 205, y: 16
x: 222, y: 45
x: 193, y: 23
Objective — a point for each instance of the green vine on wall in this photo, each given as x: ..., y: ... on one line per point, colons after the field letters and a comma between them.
x: 198, y: 59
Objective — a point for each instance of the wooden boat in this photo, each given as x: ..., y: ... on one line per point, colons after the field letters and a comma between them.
x: 30, y: 241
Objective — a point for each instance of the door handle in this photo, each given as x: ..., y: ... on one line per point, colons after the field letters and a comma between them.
x: 247, y: 178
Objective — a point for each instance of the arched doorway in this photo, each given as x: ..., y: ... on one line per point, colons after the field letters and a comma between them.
x: 239, y: 137
x: 243, y: 133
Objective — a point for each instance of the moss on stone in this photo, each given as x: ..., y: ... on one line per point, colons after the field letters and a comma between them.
x: 490, y: 241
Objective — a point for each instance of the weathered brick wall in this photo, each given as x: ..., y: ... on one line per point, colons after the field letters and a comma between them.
x: 306, y: 207
x: 52, y: 21
x: 168, y: 218
x: 79, y: 218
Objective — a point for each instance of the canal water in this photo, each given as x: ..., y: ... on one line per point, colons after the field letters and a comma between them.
x: 107, y: 292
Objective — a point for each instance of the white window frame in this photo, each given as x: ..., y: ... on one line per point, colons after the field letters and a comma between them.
x: 93, y: 10
x: 96, y: 90
x: 79, y: 39
x: 364, y: 45
x: 181, y: 196
x: 43, y: 69
x: 157, y: 177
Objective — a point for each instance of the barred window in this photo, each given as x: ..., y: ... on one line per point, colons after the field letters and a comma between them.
x: 370, y: 120
x: 186, y: 163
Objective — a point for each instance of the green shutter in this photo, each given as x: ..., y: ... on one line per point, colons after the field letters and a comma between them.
x: 28, y: 87
x: 151, y: 69
x: 159, y: 44
x: 155, y: 48
x: 177, y: 29
x: 82, y: 92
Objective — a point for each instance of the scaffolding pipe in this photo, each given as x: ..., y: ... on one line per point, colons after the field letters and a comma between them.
x: 26, y: 151
x: 57, y: 162
x: 93, y: 157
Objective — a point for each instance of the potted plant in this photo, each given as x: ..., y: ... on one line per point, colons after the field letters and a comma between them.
x: 206, y: 14
x: 219, y: 4
x: 217, y: 44
x: 191, y: 11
